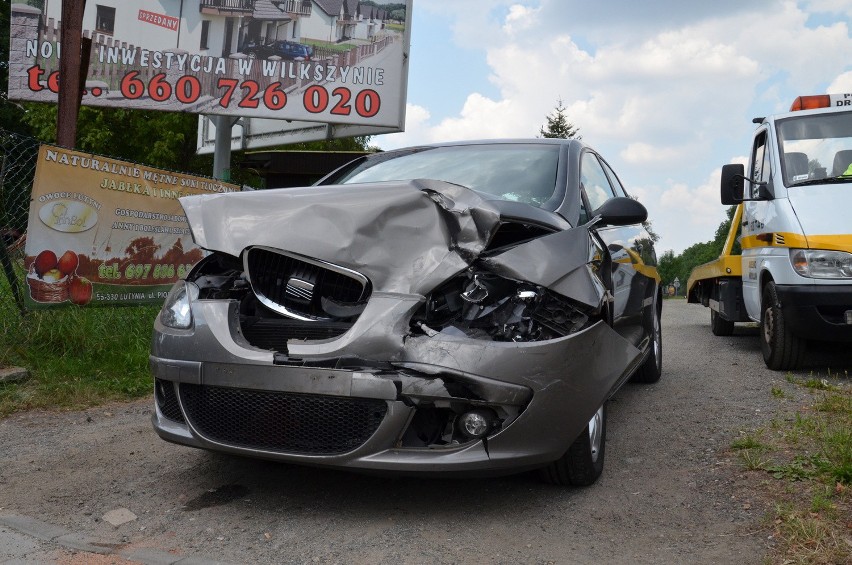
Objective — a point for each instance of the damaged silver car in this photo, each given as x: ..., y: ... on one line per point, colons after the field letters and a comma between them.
x: 461, y: 308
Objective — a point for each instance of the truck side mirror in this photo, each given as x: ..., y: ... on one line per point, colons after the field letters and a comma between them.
x: 732, y: 184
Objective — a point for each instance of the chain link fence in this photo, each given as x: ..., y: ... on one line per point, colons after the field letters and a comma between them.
x: 17, y: 170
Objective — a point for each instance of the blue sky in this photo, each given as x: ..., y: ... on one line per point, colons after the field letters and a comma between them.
x: 664, y: 89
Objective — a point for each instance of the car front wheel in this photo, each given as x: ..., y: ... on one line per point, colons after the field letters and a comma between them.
x: 583, y: 463
x: 652, y: 368
x: 781, y: 349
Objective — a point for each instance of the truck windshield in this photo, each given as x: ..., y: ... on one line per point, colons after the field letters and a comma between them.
x: 816, y: 149
x: 515, y: 172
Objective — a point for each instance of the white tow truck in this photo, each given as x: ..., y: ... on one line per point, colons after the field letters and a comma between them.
x: 793, y: 223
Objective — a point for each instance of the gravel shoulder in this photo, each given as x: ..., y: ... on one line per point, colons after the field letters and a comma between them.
x: 671, y: 491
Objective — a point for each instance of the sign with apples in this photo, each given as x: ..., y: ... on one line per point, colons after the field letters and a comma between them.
x: 104, y: 231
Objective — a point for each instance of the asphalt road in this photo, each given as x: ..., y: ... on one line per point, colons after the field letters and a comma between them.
x: 671, y: 491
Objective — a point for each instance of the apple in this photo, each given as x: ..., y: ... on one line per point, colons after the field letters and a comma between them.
x: 68, y: 263
x: 45, y: 261
x: 52, y: 276
x: 80, y: 291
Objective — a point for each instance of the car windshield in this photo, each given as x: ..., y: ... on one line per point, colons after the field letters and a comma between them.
x: 816, y: 149
x: 514, y: 172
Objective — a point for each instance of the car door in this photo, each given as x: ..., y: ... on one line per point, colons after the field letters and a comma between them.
x: 630, y: 248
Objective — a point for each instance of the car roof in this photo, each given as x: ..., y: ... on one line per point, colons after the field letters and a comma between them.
x: 524, y: 140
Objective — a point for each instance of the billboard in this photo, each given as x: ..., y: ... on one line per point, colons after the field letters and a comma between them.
x: 104, y: 231
x: 331, y: 61
x: 258, y: 133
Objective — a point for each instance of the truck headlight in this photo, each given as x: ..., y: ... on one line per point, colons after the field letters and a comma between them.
x: 177, y: 310
x: 822, y: 264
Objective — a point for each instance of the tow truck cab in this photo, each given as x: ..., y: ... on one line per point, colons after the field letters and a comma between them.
x: 794, y: 225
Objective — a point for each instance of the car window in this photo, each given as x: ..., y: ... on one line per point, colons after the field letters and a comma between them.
x: 514, y: 172
x: 594, y: 182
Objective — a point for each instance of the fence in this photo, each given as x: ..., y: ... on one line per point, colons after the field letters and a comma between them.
x: 17, y: 169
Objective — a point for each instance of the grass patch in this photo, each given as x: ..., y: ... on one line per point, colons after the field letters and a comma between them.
x: 804, y: 465
x: 77, y: 357
x: 748, y: 442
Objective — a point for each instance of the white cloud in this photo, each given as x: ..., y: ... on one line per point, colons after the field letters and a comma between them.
x: 687, y: 215
x: 841, y: 85
x: 830, y: 6
x: 520, y: 18
x: 643, y: 153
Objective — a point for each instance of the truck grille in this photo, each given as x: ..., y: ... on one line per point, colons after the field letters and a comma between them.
x: 282, y: 422
x: 300, y: 287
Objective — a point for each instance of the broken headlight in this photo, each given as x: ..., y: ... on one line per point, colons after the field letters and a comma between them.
x: 481, y: 305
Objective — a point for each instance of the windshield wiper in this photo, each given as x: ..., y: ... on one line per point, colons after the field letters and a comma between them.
x: 827, y: 180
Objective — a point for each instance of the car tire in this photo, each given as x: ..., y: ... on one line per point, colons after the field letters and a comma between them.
x: 583, y: 463
x: 720, y: 326
x: 781, y: 349
x: 652, y: 368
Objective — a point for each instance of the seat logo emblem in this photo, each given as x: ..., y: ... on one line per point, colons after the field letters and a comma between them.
x: 299, y: 289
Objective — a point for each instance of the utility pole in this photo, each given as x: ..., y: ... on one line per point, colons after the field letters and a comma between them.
x: 73, y: 66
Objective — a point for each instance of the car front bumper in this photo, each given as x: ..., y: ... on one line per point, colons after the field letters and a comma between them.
x: 552, y: 387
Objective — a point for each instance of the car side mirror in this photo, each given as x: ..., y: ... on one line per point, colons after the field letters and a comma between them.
x: 621, y: 211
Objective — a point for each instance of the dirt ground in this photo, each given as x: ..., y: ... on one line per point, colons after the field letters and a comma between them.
x: 671, y: 491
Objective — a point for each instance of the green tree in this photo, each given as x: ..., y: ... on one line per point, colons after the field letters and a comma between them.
x: 360, y: 143
x: 160, y: 139
x: 558, y: 125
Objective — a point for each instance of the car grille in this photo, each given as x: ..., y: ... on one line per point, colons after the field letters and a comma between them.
x: 167, y: 402
x: 282, y: 422
x: 273, y: 333
x: 296, y: 286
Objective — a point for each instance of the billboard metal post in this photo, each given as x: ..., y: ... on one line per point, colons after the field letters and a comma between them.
x: 222, y: 151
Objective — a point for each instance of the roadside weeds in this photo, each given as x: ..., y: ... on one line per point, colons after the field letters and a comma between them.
x: 801, y: 462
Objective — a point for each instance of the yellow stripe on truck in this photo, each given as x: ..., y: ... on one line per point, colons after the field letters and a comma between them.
x: 832, y: 242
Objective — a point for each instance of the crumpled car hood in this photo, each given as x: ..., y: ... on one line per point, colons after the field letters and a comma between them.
x: 405, y: 237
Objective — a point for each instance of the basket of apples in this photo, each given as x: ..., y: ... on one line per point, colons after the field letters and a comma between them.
x: 50, y: 277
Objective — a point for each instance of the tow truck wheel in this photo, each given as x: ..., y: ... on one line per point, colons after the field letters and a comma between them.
x: 781, y: 349
x: 583, y: 463
x: 719, y: 325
